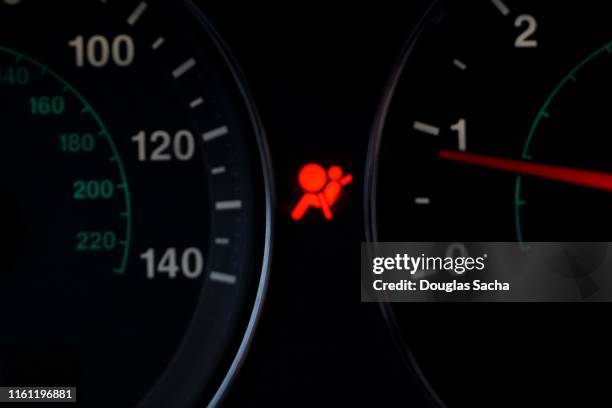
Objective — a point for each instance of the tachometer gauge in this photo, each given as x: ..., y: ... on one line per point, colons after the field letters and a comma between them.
x: 136, y: 200
x: 495, y: 127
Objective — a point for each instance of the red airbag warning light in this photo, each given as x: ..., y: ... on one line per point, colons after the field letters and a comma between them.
x: 322, y: 189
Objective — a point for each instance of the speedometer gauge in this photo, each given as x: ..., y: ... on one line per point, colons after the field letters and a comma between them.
x: 495, y: 128
x: 136, y: 199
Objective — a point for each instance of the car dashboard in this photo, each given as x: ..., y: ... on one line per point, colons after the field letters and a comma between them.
x: 304, y: 204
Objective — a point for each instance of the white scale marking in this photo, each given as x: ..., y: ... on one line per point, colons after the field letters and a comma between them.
x: 196, y: 102
x: 501, y: 6
x: 215, y: 134
x: 218, y: 171
x: 222, y: 241
x: 137, y: 13
x: 228, y: 205
x: 158, y: 43
x: 184, y: 68
x: 460, y: 64
x: 223, y: 278
x: 422, y: 201
x: 425, y: 128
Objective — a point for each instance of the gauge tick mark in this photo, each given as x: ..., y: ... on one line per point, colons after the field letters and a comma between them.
x: 215, y: 134
x: 220, y: 277
x: 137, y: 13
x: 158, y: 43
x: 501, y: 6
x: 422, y: 201
x: 217, y: 171
x: 196, y: 102
x: 228, y: 205
x: 222, y: 241
x: 460, y: 64
x: 426, y: 128
x: 184, y: 68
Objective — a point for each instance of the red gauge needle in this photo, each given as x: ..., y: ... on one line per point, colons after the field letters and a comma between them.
x: 583, y: 178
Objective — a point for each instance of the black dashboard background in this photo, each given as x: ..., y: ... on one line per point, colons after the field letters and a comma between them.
x: 317, y: 71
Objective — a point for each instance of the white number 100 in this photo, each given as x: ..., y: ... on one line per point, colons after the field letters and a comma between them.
x: 98, y: 51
